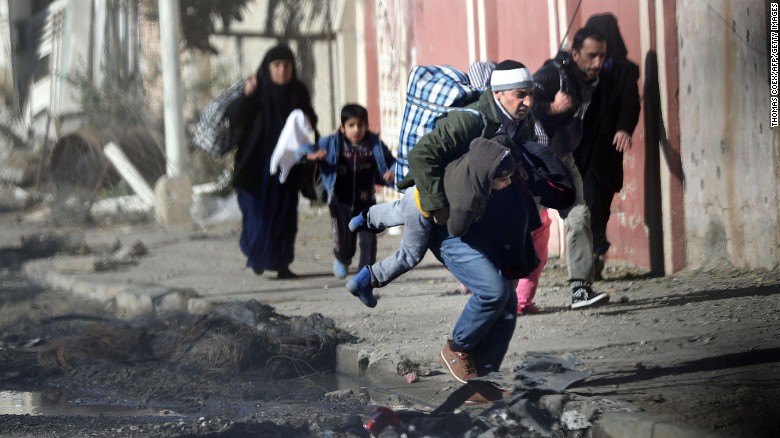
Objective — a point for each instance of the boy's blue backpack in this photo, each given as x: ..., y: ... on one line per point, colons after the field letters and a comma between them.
x: 433, y: 91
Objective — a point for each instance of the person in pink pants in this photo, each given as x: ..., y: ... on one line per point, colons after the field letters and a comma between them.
x: 526, y: 287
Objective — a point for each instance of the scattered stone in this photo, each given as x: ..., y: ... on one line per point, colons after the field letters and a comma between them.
x: 238, y: 312
x: 412, y: 377
x: 106, y: 264
x: 99, y: 246
x: 49, y: 244
x: 15, y: 198
x: 553, y: 403
x: 406, y: 366
x: 137, y: 249
x: 573, y: 420
x: 340, y: 395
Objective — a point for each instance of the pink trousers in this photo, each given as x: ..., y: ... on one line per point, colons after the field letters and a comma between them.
x: 526, y: 287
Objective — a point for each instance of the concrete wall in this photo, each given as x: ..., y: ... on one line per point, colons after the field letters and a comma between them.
x: 730, y: 155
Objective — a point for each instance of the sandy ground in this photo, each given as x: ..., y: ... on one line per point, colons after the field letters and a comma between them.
x: 697, y: 347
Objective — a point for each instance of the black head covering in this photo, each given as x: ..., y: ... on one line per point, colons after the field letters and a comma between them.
x: 607, y: 23
x: 273, y: 103
x: 276, y: 53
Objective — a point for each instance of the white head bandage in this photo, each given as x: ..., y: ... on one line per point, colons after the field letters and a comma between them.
x: 502, y: 80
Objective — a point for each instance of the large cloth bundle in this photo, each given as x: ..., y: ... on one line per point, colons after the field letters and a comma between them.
x: 433, y: 91
x: 214, y: 133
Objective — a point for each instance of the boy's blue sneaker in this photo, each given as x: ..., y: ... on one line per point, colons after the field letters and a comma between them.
x: 360, y: 223
x: 360, y: 286
x: 339, y: 269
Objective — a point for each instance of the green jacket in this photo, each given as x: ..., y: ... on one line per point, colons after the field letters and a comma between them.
x: 447, y: 142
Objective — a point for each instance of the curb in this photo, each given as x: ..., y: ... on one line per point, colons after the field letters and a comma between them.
x: 644, y: 425
x: 131, y: 300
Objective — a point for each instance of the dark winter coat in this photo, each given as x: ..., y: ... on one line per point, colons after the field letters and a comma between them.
x: 615, y: 108
x: 467, y: 182
x: 561, y: 73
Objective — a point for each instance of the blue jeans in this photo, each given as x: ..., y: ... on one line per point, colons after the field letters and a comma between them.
x: 487, y: 323
x: 414, y: 242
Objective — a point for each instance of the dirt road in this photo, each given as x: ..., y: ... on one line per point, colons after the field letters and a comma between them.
x: 699, y: 348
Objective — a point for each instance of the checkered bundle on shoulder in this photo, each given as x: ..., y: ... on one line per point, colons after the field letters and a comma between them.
x: 433, y: 91
x: 214, y: 134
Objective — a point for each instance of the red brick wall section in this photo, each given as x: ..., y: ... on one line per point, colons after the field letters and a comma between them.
x: 676, y: 190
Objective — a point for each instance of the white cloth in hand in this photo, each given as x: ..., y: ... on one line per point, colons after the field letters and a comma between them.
x: 297, y: 131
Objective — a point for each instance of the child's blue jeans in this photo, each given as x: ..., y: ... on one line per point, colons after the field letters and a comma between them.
x: 414, y: 242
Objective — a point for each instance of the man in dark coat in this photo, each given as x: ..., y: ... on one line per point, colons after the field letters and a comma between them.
x: 609, y: 125
x: 566, y: 87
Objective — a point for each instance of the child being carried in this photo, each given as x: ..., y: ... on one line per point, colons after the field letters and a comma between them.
x: 468, y: 182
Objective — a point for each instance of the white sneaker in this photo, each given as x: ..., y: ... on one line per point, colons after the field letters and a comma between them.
x: 584, y: 296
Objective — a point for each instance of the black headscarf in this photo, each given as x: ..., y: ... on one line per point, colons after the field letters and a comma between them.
x: 271, y: 104
x: 607, y: 23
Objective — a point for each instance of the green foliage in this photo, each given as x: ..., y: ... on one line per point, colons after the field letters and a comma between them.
x: 198, y: 18
x: 121, y: 188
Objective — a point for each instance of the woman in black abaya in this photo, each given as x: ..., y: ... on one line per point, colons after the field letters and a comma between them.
x: 269, y: 208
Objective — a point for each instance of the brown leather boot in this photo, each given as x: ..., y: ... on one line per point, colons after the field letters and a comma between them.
x: 459, y: 363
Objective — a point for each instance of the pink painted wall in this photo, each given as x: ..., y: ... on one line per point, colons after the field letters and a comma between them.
x: 522, y: 32
x: 440, y: 32
x: 436, y: 43
x: 372, y: 68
